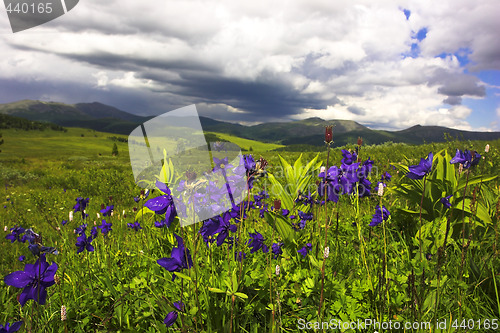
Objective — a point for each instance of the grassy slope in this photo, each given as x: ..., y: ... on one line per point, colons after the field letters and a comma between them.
x: 50, y: 144
x: 246, y: 143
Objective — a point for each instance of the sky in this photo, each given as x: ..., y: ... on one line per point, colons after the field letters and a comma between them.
x: 386, y: 64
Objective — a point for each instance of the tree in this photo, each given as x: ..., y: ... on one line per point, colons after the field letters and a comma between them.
x: 114, y: 152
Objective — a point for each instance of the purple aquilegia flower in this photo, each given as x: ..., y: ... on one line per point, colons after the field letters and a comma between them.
x: 34, y: 279
x: 420, y: 170
x: 35, y: 244
x: 161, y: 224
x: 239, y: 256
x: 15, y: 234
x: 224, y: 227
x: 172, y: 316
x: 277, y: 250
x: 385, y: 177
x: 64, y: 222
x: 348, y: 157
x: 177, y: 260
x: 466, y: 158
x: 80, y: 206
x: 81, y: 229
x: 105, y: 227
x: 136, y: 226
x: 163, y: 204
x: 305, y: 249
x: 8, y: 328
x: 93, y: 232
x: 21, y: 258
x: 379, y: 216
x: 257, y: 243
x: 82, y: 243
x: 107, y: 211
x: 446, y: 201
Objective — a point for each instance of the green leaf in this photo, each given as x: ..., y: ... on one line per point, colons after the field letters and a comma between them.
x: 216, y: 290
x: 283, y: 226
x: 183, y: 276
x: 241, y: 295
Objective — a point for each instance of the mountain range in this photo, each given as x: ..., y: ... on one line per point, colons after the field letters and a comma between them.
x: 307, y: 132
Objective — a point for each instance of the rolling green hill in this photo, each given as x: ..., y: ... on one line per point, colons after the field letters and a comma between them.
x: 300, y: 134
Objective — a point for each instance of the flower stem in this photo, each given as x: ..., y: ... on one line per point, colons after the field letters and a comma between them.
x: 420, y: 220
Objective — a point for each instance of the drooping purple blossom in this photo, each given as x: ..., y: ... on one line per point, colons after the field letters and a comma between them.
x: 107, y: 211
x: 257, y: 242
x: 35, y: 279
x: 466, y: 158
x: 446, y: 201
x: 15, y: 234
x: 180, y: 258
x: 379, y: 216
x: 81, y: 229
x: 105, y: 227
x: 239, y: 256
x: 94, y: 232
x: 80, y: 206
x: 422, y: 169
x: 173, y: 315
x: 84, y: 243
x: 135, y: 226
x: 304, y: 250
x: 386, y: 176
x: 277, y: 249
x: 9, y: 328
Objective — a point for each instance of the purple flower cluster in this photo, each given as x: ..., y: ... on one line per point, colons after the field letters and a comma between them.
x: 349, y: 177
x: 466, y: 158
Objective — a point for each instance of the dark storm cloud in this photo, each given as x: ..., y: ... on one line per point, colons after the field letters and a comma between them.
x: 258, y: 98
x: 356, y: 110
x: 457, y: 85
x: 453, y: 100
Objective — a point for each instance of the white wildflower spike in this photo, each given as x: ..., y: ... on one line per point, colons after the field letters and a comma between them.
x: 322, y: 169
x: 460, y: 168
x: 277, y: 270
x: 5, y: 228
x: 71, y: 215
x: 326, y: 252
x: 380, y: 191
x: 487, y: 148
x: 63, y: 312
x: 98, y: 216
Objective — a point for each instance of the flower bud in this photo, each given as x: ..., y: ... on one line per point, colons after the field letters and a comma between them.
x: 380, y: 189
x: 63, y: 312
x: 322, y: 169
x: 277, y: 204
x: 328, y: 134
x: 277, y: 271
x: 360, y: 141
x: 326, y: 252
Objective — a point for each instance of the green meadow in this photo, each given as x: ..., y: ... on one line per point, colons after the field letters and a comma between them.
x: 425, y: 267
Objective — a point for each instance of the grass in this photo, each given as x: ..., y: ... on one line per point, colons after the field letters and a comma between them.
x: 370, y: 273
